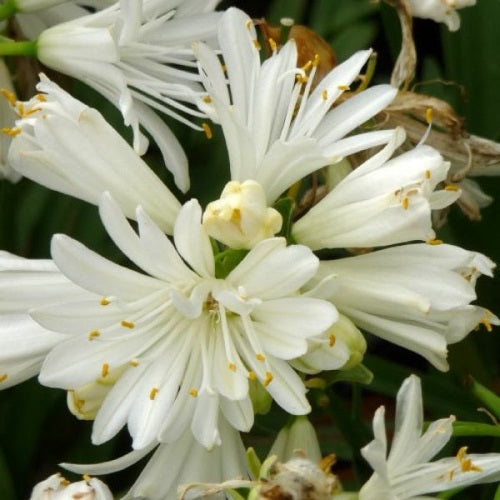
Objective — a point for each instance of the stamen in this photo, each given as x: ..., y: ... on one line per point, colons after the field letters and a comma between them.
x: 11, y: 131
x: 466, y: 464
x: 307, y: 66
x: 79, y: 403
x: 301, y: 78
x: 134, y: 362
x: 208, y: 131
x: 104, y: 370
x: 405, y: 202
x: 324, y: 95
x: 86, y: 477
x: 428, y: 115
x: 272, y: 44
x: 451, y: 187
x: 248, y: 24
x: 251, y: 375
x: 152, y: 394
x: 193, y: 393
x: 434, y: 242
x: 3, y: 377
x: 232, y: 367
x: 316, y: 60
x: 427, y: 174
x: 268, y: 379
x: 343, y: 87
x: 331, y: 340
x: 486, y: 324
x: 93, y: 334
x: 260, y: 357
x: 104, y: 301
x: 127, y: 324
x: 64, y: 482
x: 41, y: 98
x: 9, y: 95
x: 207, y: 99
x: 256, y: 44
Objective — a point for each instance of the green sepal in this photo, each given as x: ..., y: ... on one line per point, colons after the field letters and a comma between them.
x: 235, y: 495
x: 286, y: 208
x: 227, y: 260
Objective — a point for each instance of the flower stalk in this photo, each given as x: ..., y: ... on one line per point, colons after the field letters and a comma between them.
x: 13, y: 48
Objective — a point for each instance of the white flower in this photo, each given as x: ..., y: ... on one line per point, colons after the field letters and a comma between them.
x: 25, y: 284
x: 240, y: 218
x: 417, y: 296
x: 187, y: 340
x: 7, y: 118
x: 406, y: 473
x: 69, y: 147
x: 138, y: 55
x: 58, y: 488
x: 441, y: 11
x: 277, y: 130
x: 178, y: 462
x: 381, y: 202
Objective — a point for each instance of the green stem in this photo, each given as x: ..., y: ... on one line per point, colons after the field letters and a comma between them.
x: 7, y: 9
x: 25, y: 48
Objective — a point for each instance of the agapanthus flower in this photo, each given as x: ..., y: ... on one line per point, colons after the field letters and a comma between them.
x: 406, y: 472
x: 277, y: 129
x: 63, y: 144
x: 138, y: 55
x: 441, y: 11
x: 181, y: 343
x: 417, y: 296
x: 56, y: 487
x: 183, y: 460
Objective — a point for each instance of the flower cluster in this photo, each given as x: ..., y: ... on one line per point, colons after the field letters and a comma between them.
x: 215, y: 312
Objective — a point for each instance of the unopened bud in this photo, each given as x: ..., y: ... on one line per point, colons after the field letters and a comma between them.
x: 344, y: 329
x: 240, y: 218
x: 56, y: 487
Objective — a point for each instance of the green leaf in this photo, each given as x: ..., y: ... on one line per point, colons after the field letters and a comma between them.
x: 488, y: 398
x: 475, y: 429
x: 286, y: 207
x: 359, y: 374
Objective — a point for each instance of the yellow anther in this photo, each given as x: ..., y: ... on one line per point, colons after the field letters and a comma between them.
x: 343, y: 87
x: 486, y: 324
x: 41, y: 98
x: 104, y: 370
x: 324, y: 95
x: 268, y: 379
x: 224, y: 67
x: 256, y: 44
x: 10, y: 131
x: 331, y: 340
x: 461, y: 453
x: 9, y: 95
x: 193, y: 392
x: 272, y: 44
x: 251, y: 375
x: 86, y: 477
x: 466, y: 464
x: 405, y: 202
x: 208, y: 131
x: 104, y: 301
x: 451, y: 473
x: 94, y: 334
x: 307, y: 66
x: 207, y: 99
x: 451, y: 187
x: 153, y: 392
x: 411, y: 192
x: 316, y: 59
x: 64, y: 482
x: 248, y: 24
x: 260, y: 357
x: 427, y: 174
x: 428, y: 115
x: 3, y: 377
x: 434, y: 242
x: 127, y: 324
x: 232, y: 367
x: 301, y: 78
x: 134, y: 362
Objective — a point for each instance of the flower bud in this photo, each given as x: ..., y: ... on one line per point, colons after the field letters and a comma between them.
x: 344, y: 329
x: 241, y: 217
x: 298, y: 436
